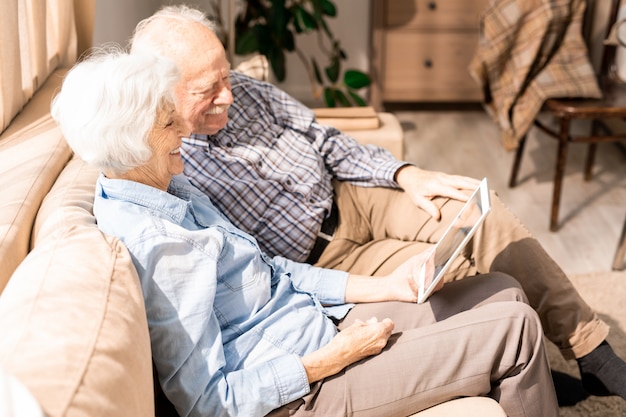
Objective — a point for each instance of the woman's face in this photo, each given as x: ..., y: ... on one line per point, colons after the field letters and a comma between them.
x: 165, y: 140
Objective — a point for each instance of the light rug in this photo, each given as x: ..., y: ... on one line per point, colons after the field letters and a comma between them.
x: 606, y: 294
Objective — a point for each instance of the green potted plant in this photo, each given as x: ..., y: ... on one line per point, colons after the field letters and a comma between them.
x: 270, y: 28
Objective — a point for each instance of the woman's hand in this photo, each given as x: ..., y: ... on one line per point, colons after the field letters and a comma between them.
x: 403, y: 282
x: 358, y: 341
x: 400, y: 285
x: 421, y: 186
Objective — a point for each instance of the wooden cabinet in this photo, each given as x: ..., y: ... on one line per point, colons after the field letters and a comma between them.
x: 421, y: 50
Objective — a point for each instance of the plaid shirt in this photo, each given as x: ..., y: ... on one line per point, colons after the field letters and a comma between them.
x: 530, y: 50
x: 270, y: 170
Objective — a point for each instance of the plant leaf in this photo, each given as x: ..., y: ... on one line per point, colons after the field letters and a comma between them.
x: 356, y: 79
x: 263, y: 37
x: 329, y: 97
x: 317, y: 10
x: 289, y: 41
x: 306, y: 19
x: 332, y: 71
x: 278, y: 18
x: 246, y: 43
x: 326, y: 29
x: 341, y: 97
x: 329, y: 8
x: 316, y: 70
x: 276, y: 57
x: 358, y: 100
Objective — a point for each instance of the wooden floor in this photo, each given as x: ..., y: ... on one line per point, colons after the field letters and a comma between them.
x: 591, y: 214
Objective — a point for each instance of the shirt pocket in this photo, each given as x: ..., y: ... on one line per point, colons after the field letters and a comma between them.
x: 243, y: 282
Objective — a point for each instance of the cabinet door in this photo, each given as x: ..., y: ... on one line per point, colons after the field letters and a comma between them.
x: 430, y: 66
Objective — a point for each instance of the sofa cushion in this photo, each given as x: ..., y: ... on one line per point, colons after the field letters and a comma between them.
x: 466, y: 407
x: 32, y: 153
x: 70, y: 201
x: 74, y: 329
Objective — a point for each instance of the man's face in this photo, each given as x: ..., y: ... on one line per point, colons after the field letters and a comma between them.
x: 204, y: 94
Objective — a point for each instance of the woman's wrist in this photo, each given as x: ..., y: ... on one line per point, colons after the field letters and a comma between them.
x: 322, y: 363
x: 366, y: 289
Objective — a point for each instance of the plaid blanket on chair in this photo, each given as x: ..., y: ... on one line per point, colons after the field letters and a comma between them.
x: 530, y: 50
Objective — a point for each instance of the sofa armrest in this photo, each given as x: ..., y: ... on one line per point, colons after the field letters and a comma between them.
x: 74, y: 328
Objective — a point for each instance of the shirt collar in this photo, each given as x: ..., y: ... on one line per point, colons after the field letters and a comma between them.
x: 172, y: 205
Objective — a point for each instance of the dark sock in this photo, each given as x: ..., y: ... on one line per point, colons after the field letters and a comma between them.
x: 602, y: 372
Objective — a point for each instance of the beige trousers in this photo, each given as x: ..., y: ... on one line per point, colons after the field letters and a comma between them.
x: 475, y: 337
x: 379, y: 228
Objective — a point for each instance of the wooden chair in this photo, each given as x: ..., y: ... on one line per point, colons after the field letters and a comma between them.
x: 611, y: 106
x: 620, y: 252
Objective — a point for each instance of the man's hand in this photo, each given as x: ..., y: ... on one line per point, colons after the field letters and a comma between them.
x: 422, y: 186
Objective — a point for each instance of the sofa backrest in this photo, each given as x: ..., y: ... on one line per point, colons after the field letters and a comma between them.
x: 32, y: 154
x: 41, y: 39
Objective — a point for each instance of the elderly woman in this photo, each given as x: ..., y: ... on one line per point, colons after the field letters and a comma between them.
x: 237, y: 333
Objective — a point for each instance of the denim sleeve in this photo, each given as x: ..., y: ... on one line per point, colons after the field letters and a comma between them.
x: 179, y: 280
x: 327, y: 285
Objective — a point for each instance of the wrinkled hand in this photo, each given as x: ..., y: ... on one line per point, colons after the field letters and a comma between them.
x: 422, y: 186
x: 357, y: 341
x: 363, y: 338
x: 404, y: 280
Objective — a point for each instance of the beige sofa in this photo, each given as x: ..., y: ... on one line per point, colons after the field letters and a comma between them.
x: 74, y: 335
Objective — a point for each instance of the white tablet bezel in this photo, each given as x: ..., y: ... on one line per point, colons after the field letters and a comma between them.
x: 481, y: 195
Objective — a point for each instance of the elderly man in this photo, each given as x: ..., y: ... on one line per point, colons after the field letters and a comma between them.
x: 311, y: 193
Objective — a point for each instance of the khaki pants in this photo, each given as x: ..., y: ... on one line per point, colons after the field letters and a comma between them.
x: 379, y: 228
x: 475, y: 337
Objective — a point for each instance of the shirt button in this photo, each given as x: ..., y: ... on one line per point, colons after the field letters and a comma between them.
x: 259, y: 164
x: 229, y: 144
x: 288, y: 182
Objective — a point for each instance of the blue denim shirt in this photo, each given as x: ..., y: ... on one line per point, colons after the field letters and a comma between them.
x: 228, y: 324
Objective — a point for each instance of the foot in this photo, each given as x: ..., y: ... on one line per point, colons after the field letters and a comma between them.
x: 602, y: 372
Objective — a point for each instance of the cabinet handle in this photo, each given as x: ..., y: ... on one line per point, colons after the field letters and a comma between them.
x: 432, y: 5
x: 428, y: 63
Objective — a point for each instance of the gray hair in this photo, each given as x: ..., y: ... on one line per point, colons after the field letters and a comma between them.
x: 177, y: 19
x: 108, y: 105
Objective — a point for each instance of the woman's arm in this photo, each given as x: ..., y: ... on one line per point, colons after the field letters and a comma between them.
x: 363, y: 339
x: 400, y: 285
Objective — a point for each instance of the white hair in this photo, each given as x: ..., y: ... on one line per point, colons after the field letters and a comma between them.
x: 170, y: 21
x: 108, y: 105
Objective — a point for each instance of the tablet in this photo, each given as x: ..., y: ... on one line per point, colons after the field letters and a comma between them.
x: 454, y: 239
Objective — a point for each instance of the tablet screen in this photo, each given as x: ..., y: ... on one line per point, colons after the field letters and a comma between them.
x: 456, y: 237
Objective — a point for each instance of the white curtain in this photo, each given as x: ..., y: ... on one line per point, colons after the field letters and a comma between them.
x: 36, y: 38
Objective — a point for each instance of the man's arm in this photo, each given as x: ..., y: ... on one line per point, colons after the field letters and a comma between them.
x: 423, y: 185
